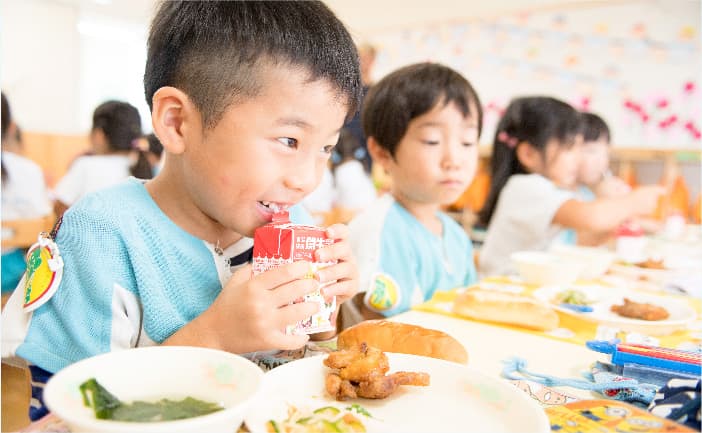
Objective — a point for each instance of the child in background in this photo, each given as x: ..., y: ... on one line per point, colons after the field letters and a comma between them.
x: 534, y: 167
x: 154, y: 153
x: 113, y: 137
x: 24, y: 195
x: 247, y: 99
x: 422, y: 122
x: 354, y: 190
x: 594, y: 177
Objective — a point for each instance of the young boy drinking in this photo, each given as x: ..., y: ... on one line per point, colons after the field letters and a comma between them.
x: 248, y: 99
x: 422, y: 122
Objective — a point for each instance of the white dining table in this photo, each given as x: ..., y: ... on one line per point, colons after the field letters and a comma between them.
x: 488, y: 345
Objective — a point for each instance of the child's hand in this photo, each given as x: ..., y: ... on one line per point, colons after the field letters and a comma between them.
x: 345, y: 271
x: 612, y: 187
x: 251, y: 312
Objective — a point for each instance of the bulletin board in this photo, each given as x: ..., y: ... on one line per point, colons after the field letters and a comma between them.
x: 637, y: 64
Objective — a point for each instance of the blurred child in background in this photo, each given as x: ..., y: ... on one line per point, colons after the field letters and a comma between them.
x: 114, y: 138
x: 154, y: 153
x: 423, y: 123
x: 353, y: 187
x: 594, y: 176
x: 534, y: 170
x: 24, y: 195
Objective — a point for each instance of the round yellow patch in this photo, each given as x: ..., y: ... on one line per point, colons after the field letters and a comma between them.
x: 384, y: 293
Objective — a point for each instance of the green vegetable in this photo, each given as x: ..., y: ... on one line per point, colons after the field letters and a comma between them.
x: 330, y: 426
x: 327, y: 410
x: 107, y: 406
x: 304, y: 420
x: 274, y: 425
x: 574, y: 297
x: 359, y: 409
x: 101, y: 400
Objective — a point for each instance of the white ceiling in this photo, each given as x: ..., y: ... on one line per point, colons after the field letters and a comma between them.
x: 363, y: 17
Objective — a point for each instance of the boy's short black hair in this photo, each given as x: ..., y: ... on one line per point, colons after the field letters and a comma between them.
x: 214, y: 51
x: 594, y: 128
x: 410, y: 92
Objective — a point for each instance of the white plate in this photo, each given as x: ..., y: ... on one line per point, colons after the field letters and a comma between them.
x: 638, y: 273
x: 458, y: 399
x: 681, y: 314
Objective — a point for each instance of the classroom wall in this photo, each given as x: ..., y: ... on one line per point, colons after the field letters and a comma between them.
x: 60, y: 60
x: 40, y: 64
x: 636, y: 63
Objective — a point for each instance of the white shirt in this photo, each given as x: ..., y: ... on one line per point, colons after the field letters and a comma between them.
x: 522, y: 220
x: 24, y: 193
x: 90, y: 173
x: 354, y: 188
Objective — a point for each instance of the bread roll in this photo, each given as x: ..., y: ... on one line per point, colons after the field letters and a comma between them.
x: 503, y: 307
x: 403, y: 338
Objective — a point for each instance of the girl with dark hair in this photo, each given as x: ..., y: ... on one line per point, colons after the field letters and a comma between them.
x: 114, y: 138
x: 534, y: 167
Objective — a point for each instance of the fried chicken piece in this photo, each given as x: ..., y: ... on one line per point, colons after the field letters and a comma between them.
x: 339, y: 388
x: 382, y: 387
x: 638, y: 310
x: 360, y: 364
x: 361, y: 372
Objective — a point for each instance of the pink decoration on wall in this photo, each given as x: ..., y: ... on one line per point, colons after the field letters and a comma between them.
x: 583, y: 103
x: 668, y: 122
x: 693, y: 129
x: 689, y: 87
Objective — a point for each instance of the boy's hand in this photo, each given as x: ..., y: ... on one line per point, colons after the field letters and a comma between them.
x: 345, y: 271
x: 251, y: 312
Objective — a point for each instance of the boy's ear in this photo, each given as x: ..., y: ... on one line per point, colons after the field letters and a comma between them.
x: 379, y: 154
x: 172, y: 116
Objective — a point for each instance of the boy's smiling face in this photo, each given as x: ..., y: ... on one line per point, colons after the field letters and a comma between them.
x: 268, y: 149
x: 436, y: 159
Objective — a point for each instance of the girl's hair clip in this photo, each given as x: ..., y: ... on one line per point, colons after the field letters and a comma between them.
x: 511, y: 142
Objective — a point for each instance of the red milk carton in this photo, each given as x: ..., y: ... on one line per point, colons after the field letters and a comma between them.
x: 280, y: 242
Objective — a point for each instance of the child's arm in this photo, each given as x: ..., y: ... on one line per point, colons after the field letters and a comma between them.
x: 612, y: 186
x: 606, y: 214
x: 345, y: 272
x: 251, y: 313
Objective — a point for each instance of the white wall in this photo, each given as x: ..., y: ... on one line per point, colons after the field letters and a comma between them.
x: 59, y: 63
x: 40, y: 64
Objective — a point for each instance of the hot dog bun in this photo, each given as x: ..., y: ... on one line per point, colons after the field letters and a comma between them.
x: 503, y: 307
x: 403, y: 338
